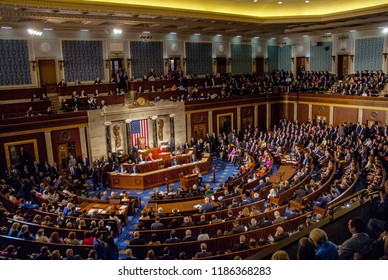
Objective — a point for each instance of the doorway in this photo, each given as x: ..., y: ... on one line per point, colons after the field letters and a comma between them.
x: 174, y: 63
x: 301, y: 63
x: 47, y: 74
x: 64, y: 152
x: 259, y: 61
x: 114, y: 65
x: 343, y: 66
x: 221, y: 65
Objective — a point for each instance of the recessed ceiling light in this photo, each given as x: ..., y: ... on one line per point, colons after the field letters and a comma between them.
x: 280, y: 2
x: 238, y: 36
x: 84, y: 30
x: 117, y: 31
x: 197, y: 34
x: 47, y: 29
x: 307, y: 1
x: 146, y: 32
x: 254, y: 1
x: 6, y: 27
x: 385, y: 30
x: 352, y: 30
x: 34, y: 32
x: 257, y: 37
x: 172, y: 33
x: 219, y: 35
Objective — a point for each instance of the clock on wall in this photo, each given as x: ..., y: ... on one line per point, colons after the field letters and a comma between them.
x: 45, y: 47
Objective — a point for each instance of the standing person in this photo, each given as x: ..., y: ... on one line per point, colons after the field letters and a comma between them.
x: 99, y: 245
x: 111, y: 249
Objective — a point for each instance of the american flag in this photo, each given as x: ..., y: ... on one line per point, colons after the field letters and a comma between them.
x: 139, y: 128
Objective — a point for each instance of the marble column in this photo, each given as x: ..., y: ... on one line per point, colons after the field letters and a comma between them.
x: 128, y: 133
x: 107, y: 137
x: 154, y: 131
x: 172, y: 132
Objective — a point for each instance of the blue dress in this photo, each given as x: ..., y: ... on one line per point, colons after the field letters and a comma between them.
x: 327, y: 251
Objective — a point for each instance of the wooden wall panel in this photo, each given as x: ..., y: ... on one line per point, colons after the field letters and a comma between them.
x: 262, y: 111
x: 199, y: 125
x: 373, y: 115
x: 342, y: 115
x: 303, y: 112
x: 41, y: 144
x: 220, y: 113
x: 247, y: 117
x: 281, y: 111
x: 323, y: 111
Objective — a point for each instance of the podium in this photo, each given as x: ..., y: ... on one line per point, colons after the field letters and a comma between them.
x: 187, y: 181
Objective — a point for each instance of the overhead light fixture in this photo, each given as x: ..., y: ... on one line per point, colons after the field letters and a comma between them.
x: 197, y: 34
x: 257, y: 37
x: 6, y: 27
x: 238, y: 36
x: 254, y: 1
x: 273, y: 38
x: 280, y: 2
x: 173, y: 33
x: 307, y: 1
x: 48, y: 29
x: 385, y: 30
x: 84, y: 30
x: 219, y: 35
x: 117, y: 31
x: 146, y: 32
x: 34, y: 32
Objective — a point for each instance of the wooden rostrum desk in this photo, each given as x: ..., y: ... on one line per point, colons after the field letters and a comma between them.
x: 155, y: 176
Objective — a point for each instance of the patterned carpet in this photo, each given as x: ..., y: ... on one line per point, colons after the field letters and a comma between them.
x: 223, y: 171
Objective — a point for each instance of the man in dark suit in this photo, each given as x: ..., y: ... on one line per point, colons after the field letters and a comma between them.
x: 206, y: 207
x: 242, y: 245
x: 202, y: 221
x: 358, y: 243
x: 157, y: 224
x: 204, y: 253
x: 237, y: 228
x: 136, y: 239
x: 84, y: 161
x: 140, y: 159
x: 133, y: 169
x: 166, y: 254
x: 174, y: 162
x: 173, y: 238
x: 188, y: 236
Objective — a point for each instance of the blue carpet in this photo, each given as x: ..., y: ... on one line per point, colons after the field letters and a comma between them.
x: 223, y: 171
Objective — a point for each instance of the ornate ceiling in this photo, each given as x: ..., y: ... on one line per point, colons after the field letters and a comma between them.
x: 247, y: 18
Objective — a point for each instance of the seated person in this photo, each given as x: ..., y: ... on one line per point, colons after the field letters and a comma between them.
x: 140, y: 159
x: 122, y: 169
x: 97, y: 81
x: 134, y: 170
x: 174, y: 162
x: 193, y: 158
x: 150, y: 157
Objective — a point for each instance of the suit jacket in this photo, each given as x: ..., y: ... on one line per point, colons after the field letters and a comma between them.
x: 133, y: 170
x: 359, y: 242
x: 206, y: 207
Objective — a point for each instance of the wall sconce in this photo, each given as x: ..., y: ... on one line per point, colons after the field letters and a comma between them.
x: 106, y: 63
x: 129, y: 61
x: 352, y: 57
x: 166, y: 62
x: 61, y: 64
x: 385, y: 56
x: 292, y: 60
x: 33, y: 64
x: 307, y: 59
x: 333, y: 58
x: 229, y: 61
